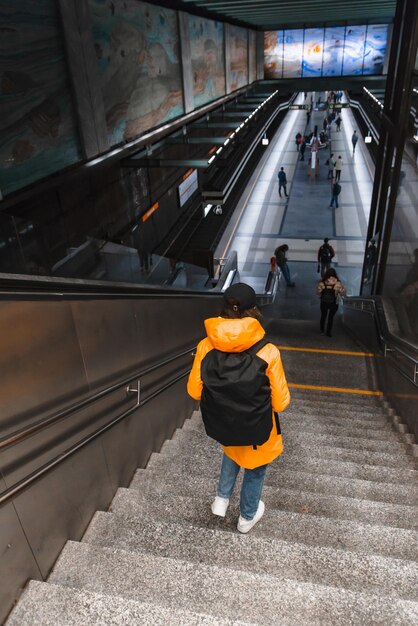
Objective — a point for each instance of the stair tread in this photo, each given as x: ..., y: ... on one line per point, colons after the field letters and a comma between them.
x: 174, y: 582
x: 296, y: 500
x: 54, y: 605
x: 292, y: 560
x: 362, y: 471
x: 317, y: 426
x: 321, y: 483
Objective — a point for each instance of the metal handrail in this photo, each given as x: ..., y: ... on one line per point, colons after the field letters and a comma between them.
x: 31, y: 430
x: 389, y: 345
x: 31, y: 478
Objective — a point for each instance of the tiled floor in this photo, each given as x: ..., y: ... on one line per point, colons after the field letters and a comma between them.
x: 263, y: 220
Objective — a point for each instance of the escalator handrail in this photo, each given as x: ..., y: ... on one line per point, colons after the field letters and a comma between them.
x: 23, y: 433
x: 390, y: 342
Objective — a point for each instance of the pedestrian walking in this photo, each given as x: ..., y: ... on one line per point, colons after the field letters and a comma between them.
x: 354, y: 140
x: 308, y: 116
x: 238, y: 377
x: 338, y: 168
x: 298, y: 139
x: 330, y: 289
x: 302, y: 149
x: 370, y: 260
x: 281, y: 260
x: 325, y: 255
x: 338, y: 121
x: 282, y: 182
x: 331, y: 166
x: 335, y: 192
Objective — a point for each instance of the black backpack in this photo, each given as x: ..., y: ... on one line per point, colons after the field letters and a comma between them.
x: 236, y: 398
x: 328, y: 296
x: 325, y: 253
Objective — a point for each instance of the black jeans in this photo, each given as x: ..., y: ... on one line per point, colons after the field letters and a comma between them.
x: 330, y: 310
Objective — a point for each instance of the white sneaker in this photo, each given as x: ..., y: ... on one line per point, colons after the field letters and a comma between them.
x: 220, y: 506
x: 245, y: 525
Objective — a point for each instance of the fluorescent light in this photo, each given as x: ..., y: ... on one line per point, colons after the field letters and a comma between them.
x: 212, y: 158
x: 219, y: 150
x: 368, y: 139
x: 207, y: 209
x: 226, y: 141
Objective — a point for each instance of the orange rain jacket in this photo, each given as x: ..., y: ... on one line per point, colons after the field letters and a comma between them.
x: 237, y: 335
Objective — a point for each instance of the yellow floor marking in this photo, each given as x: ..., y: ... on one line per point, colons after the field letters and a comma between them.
x: 346, y: 352
x: 337, y: 389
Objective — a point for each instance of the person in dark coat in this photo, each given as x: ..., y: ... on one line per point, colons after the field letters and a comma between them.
x: 302, y: 149
x: 282, y: 182
x: 336, y: 190
x: 330, y: 289
x: 325, y: 255
x: 281, y: 261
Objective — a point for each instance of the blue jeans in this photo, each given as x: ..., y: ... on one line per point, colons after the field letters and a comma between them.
x: 252, y: 485
x: 334, y: 200
x: 286, y: 273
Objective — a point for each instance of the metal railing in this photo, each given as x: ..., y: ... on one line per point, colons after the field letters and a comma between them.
x: 391, y: 345
x: 27, y: 432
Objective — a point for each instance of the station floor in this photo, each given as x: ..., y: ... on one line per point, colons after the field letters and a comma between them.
x: 263, y: 220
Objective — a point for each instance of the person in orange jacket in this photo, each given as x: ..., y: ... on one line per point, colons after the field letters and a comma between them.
x: 236, y: 330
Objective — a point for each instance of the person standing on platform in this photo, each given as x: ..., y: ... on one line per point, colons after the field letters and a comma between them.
x: 354, y: 140
x: 330, y: 289
x: 298, y: 140
x: 336, y: 190
x: 281, y: 260
x: 302, y: 149
x: 338, y: 168
x: 282, y: 182
x: 308, y: 117
x: 325, y: 255
x: 331, y: 166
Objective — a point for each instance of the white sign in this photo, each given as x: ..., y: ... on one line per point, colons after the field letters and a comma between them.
x: 188, y: 187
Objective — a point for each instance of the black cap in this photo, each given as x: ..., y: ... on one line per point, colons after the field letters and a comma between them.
x: 326, y: 240
x: 243, y: 294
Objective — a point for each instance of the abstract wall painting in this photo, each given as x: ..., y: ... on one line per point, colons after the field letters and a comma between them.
x: 138, y: 56
x: 208, y: 59
x: 38, y: 128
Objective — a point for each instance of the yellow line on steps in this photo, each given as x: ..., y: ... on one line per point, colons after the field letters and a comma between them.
x: 345, y: 352
x: 366, y: 392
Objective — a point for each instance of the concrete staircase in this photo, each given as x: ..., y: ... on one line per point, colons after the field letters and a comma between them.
x: 338, y: 543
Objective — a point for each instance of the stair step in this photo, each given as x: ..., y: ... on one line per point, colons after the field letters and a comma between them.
x: 310, y: 444
x: 297, y: 423
x: 289, y: 415
x: 294, y: 526
x: 298, y: 561
x: 297, y: 433
x: 314, y: 395
x: 298, y: 479
x: 321, y: 408
x: 180, y: 584
x: 281, y: 498
x: 361, y: 471
x: 47, y: 604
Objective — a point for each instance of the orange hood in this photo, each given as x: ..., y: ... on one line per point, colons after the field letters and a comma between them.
x: 233, y: 335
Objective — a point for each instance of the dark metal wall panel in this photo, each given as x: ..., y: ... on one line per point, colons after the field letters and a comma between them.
x: 40, y: 361
x: 17, y: 563
x: 107, y: 335
x: 60, y: 505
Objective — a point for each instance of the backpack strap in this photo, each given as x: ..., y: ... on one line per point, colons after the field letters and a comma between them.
x: 257, y: 346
